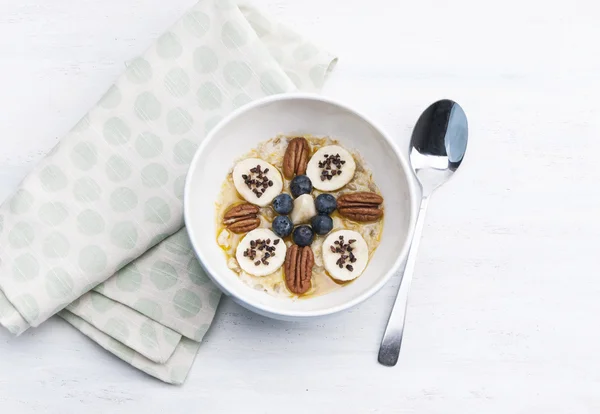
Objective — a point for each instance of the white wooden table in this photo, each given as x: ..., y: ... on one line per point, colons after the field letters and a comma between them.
x: 503, y: 316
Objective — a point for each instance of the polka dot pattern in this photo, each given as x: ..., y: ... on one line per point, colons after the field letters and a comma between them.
x: 101, y: 303
x: 168, y: 46
x: 113, y: 188
x: 163, y: 275
x: 25, y: 267
x: 21, y: 202
x: 187, y: 303
x: 21, y: 235
x: 233, y: 35
x: 205, y: 60
x: 147, y: 107
x: 84, y: 156
x: 139, y: 71
x: 52, y: 178
x: 197, y: 23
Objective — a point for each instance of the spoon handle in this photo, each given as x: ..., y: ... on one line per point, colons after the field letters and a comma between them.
x: 392, y: 338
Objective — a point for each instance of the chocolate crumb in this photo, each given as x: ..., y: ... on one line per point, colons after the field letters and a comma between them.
x: 345, y: 251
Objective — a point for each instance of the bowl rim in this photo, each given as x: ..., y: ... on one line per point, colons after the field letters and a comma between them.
x: 261, y: 307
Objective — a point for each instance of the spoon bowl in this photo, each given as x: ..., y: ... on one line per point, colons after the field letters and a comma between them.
x: 437, y: 148
x: 438, y: 144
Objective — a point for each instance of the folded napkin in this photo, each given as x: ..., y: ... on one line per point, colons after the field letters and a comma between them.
x: 94, y: 232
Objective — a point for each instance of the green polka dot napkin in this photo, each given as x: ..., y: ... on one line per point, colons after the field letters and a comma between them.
x: 95, y: 234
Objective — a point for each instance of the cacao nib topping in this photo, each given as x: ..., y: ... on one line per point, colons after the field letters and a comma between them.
x: 257, y: 180
x: 345, y: 251
x: 260, y: 245
x: 331, y: 166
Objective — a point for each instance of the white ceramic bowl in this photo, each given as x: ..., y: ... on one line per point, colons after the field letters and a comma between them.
x: 299, y: 114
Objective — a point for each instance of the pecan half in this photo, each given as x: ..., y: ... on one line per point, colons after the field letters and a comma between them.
x: 362, y: 207
x: 242, y: 218
x: 296, y: 158
x: 298, y: 266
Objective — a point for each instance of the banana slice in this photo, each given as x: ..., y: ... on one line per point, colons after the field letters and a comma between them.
x: 261, y: 252
x: 345, y: 254
x: 331, y: 168
x: 304, y: 209
x: 257, y: 181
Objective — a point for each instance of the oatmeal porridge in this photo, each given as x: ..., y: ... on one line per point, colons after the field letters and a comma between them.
x: 299, y: 216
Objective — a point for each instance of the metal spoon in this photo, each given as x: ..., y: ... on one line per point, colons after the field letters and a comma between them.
x: 437, y: 147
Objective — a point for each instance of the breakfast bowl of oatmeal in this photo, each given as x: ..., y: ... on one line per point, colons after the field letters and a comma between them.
x: 298, y: 206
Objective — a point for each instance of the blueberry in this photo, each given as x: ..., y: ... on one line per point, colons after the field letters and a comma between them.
x: 325, y: 203
x: 303, y: 235
x: 321, y: 224
x: 283, y: 204
x: 300, y: 185
x: 282, y: 226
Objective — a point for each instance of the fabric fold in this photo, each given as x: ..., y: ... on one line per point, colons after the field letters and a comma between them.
x: 96, y: 228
